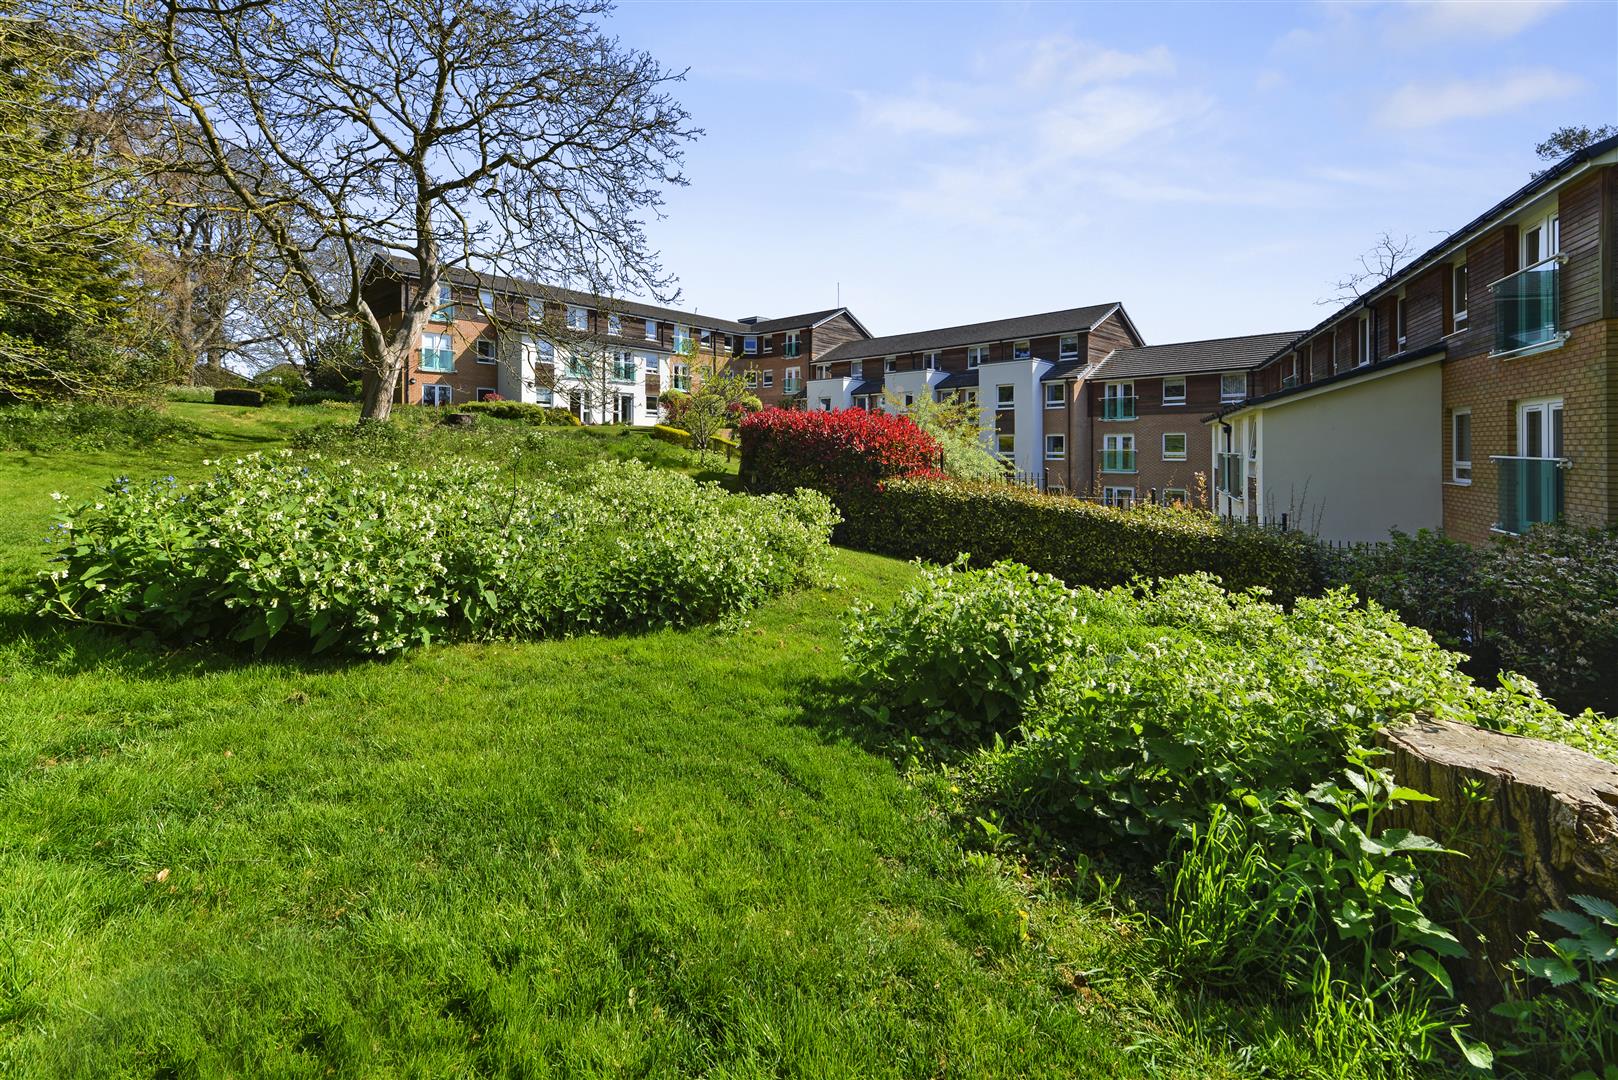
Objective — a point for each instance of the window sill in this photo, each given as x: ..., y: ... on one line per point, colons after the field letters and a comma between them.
x: 1180, y: 458
x: 1174, y: 404
x: 1532, y: 350
x: 488, y: 363
x: 1457, y: 483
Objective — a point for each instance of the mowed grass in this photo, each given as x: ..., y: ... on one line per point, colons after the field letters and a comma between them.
x: 639, y: 856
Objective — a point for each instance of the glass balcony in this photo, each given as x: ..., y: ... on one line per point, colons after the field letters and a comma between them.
x: 1118, y: 408
x: 1117, y: 461
x: 1530, y: 491
x: 1527, y: 307
x: 791, y: 348
x: 1230, y: 476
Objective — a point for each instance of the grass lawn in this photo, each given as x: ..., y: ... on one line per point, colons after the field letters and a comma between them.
x: 644, y: 856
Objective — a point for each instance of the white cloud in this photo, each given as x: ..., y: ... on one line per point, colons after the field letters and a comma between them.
x: 1465, y: 19
x: 1102, y: 121
x: 914, y: 116
x: 1419, y: 105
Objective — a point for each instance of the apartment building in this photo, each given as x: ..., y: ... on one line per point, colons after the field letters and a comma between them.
x: 606, y: 360
x: 1024, y: 374
x: 1473, y: 391
x: 1145, y: 407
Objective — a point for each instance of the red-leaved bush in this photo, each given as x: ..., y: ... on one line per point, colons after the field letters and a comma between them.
x: 839, y: 453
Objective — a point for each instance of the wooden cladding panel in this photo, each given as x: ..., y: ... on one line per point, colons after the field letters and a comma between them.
x: 1580, y: 213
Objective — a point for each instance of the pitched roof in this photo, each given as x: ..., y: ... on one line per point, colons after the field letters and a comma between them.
x: 983, y: 333
x: 1547, y: 179
x: 523, y: 287
x: 1194, y: 357
x: 1409, y: 356
x: 810, y: 320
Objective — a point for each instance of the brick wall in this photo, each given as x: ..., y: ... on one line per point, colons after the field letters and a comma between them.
x: 1584, y: 373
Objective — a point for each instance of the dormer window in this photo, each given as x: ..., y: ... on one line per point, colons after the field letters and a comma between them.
x: 750, y: 345
x: 890, y: 363
x: 1363, y: 345
x: 976, y: 354
x: 536, y: 310
x: 486, y: 301
x: 929, y: 361
x: 1070, y: 346
x: 651, y: 329
x: 1233, y: 386
x: 1458, y: 282
x: 1021, y: 350
x: 578, y: 318
x: 1401, y: 324
x: 1174, y: 390
x: 615, y: 325
x: 445, y: 311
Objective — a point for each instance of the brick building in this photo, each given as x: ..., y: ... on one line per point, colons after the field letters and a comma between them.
x: 1474, y: 391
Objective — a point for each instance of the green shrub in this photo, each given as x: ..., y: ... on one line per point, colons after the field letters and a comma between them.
x: 238, y: 396
x: 329, y: 555
x: 275, y: 394
x: 1564, y: 1015
x: 321, y: 397
x: 1079, y: 542
x: 87, y: 426
x: 677, y: 436
x: 288, y: 377
x: 526, y: 411
x: 1430, y: 580
x: 202, y: 395
x: 963, y: 651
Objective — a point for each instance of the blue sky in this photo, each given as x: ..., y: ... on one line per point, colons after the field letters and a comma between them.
x: 1214, y: 167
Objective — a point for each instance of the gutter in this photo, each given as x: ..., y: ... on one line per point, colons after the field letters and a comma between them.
x: 1385, y: 364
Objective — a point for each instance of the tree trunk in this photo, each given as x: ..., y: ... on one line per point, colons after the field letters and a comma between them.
x: 387, y: 358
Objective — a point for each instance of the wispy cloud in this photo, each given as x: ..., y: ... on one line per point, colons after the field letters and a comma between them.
x: 1450, y: 20
x: 1424, y: 105
x: 914, y: 115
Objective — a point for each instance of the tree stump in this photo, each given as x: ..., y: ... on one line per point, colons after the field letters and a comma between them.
x: 460, y: 419
x: 1534, y: 822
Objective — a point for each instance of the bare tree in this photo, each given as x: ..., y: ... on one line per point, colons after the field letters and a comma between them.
x: 502, y: 136
x: 1385, y: 259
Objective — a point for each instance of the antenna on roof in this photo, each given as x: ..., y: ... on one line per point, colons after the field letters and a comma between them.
x: 839, y: 294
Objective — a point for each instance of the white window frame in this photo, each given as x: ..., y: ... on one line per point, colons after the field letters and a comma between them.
x: 750, y: 379
x: 1175, y: 399
x: 1123, y: 443
x: 1068, y: 348
x: 1547, y: 406
x: 682, y: 337
x: 1459, y: 296
x: 651, y: 330
x: 825, y: 404
x: 1401, y: 322
x: 486, y: 301
x: 1252, y: 439
x: 482, y: 390
x: 615, y: 325
x: 441, y: 394
x: 536, y: 310
x: 1000, y: 438
x: 856, y: 369
x: 750, y: 345
x: 578, y: 318
x: 1005, y: 396
x: 769, y: 380
x: 494, y: 350
x: 1170, y: 496
x: 1225, y: 395
x: 1185, y: 443
x: 680, y: 377
x: 1056, y: 447
x: 929, y: 361
x: 910, y: 399
x: 790, y: 344
x: 1022, y: 350
x: 1362, y: 340
x: 890, y: 364
x: 976, y: 355
x: 969, y: 394
x: 1118, y: 391
x: 442, y: 345
x: 444, y: 309
x: 1460, y: 469
x: 1056, y: 400
x: 1550, y: 230
x: 790, y: 380
x: 1121, y: 498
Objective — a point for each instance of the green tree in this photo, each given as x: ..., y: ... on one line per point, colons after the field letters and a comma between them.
x: 719, y: 397
x: 1570, y: 138
x: 956, y: 427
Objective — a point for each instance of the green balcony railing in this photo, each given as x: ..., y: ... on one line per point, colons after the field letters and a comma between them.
x: 1527, y: 307
x: 1118, y: 408
x: 1117, y: 461
x: 1230, y: 476
x: 1530, y: 492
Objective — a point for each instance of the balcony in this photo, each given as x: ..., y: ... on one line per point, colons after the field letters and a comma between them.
x: 791, y: 349
x: 1530, y: 491
x: 1118, y: 408
x: 1230, y: 476
x: 1527, y: 307
x: 1117, y: 461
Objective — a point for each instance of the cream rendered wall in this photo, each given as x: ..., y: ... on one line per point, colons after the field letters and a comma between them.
x: 1357, y: 460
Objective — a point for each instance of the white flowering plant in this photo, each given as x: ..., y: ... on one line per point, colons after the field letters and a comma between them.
x: 325, y: 554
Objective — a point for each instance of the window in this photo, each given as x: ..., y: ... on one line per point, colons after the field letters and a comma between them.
x: 1118, y: 453
x: 1401, y: 325
x: 789, y: 345
x: 1541, y: 240
x: 486, y: 392
x: 436, y: 394
x: 1289, y: 372
x: 929, y: 361
x: 486, y: 301
x: 750, y: 345
x: 704, y: 337
x: 652, y: 365
x: 1055, y: 398
x: 1020, y: 350
x: 769, y: 379
x: 1175, y: 497
x: 578, y: 318
x: 856, y: 370
x: 1005, y: 443
x: 445, y: 311
x: 1458, y: 282
x: 615, y: 325
x: 970, y: 395
x: 1005, y: 396
x: 789, y: 381
x: 623, y: 366
x: 680, y: 376
x: 1460, y: 427
x: 910, y: 399
x: 1070, y: 346
x: 1118, y: 401
x: 651, y: 406
x: 544, y: 396
x: 1121, y: 497
x: 1362, y: 341
x: 536, y: 310
x: 547, y: 354
x: 437, y: 352
x: 1055, y: 447
x: 682, y: 338
x: 1252, y: 439
x: 651, y: 329
x: 487, y: 348
x: 976, y: 354
x: 825, y: 404
x: 1233, y: 386
x: 890, y: 363
x: 750, y: 379
x: 1174, y: 391
x: 822, y: 371
x: 1174, y: 446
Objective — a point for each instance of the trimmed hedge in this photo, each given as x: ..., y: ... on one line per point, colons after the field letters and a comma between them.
x: 526, y: 411
x: 1081, y: 543
x: 231, y: 395
x: 679, y: 437
x: 839, y: 453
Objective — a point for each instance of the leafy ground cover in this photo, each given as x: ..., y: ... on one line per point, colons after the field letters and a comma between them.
x: 643, y: 855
